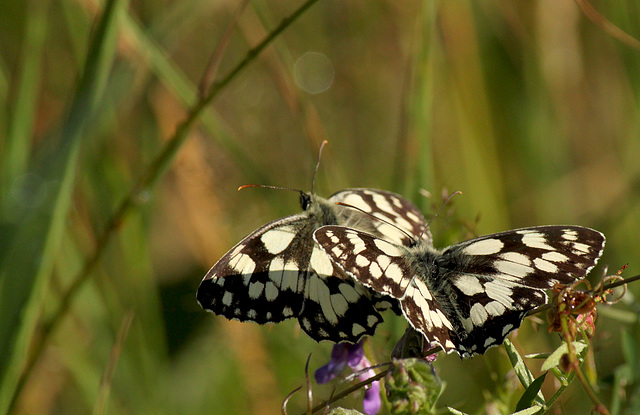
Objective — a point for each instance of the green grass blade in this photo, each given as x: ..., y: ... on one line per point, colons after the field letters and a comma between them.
x: 17, y: 146
x: 32, y: 238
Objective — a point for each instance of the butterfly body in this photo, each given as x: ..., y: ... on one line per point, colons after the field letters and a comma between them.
x: 278, y: 272
x: 469, y: 296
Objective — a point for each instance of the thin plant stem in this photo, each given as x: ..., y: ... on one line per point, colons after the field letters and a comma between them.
x: 350, y: 390
x: 575, y: 366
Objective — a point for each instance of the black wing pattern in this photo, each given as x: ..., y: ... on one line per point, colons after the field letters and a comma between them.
x: 278, y: 272
x: 470, y: 296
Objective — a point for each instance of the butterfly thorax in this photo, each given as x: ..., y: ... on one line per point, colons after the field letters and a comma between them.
x: 439, y: 271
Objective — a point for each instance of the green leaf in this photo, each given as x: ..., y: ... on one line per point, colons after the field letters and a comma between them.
x: 631, y: 354
x: 554, y: 359
x: 342, y: 411
x: 531, y: 394
x: 523, y: 373
x: 456, y: 412
x: 529, y: 411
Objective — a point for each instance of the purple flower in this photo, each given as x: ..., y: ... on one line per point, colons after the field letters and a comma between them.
x: 344, y: 354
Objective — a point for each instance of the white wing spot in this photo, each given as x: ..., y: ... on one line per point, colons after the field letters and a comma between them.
x: 255, y: 289
x: 306, y: 323
x: 381, y: 202
x: 252, y: 314
x: 489, y: 341
x: 371, y: 320
x: 494, y: 309
x: 467, y: 324
x: 357, y: 201
x: 358, y: 248
x: 388, y: 248
x: 383, y: 261
x: 270, y: 291
x: 319, y: 292
x: 339, y: 304
x: 570, y: 235
x: 478, y: 314
x: 403, y: 223
x: 546, y: 266
x: 287, y: 312
x: 534, y: 239
x: 362, y: 261
x: 512, y: 268
x: 242, y: 264
x: 499, y: 291
x: 396, y: 201
x: 277, y: 240
x: 357, y: 329
x: 580, y: 248
x: 284, y: 275
x: 516, y: 257
x: 348, y: 293
x: 469, y: 285
x: 226, y: 299
x: 484, y: 247
x: 555, y: 257
x: 390, y: 232
x: 394, y: 272
x: 374, y: 270
x: 413, y: 216
x: 320, y: 262
x: 506, y: 329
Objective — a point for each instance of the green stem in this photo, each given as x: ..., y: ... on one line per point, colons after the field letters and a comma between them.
x: 575, y: 365
x: 348, y: 391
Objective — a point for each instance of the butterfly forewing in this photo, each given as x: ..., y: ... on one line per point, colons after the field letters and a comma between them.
x: 470, y: 296
x: 278, y: 272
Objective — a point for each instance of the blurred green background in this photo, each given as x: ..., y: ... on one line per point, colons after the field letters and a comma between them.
x: 527, y: 107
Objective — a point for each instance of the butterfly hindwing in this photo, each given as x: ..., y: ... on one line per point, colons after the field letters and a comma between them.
x: 469, y: 296
x: 401, y: 221
x: 385, y: 267
x: 278, y: 272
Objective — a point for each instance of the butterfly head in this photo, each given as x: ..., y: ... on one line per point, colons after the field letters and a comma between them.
x: 306, y: 200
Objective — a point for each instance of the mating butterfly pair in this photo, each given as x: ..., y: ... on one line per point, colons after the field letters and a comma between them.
x: 335, y: 268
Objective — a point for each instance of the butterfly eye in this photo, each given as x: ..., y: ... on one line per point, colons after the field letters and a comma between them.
x: 305, y: 200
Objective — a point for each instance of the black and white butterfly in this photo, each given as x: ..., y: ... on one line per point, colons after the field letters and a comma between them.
x: 278, y: 272
x: 469, y: 296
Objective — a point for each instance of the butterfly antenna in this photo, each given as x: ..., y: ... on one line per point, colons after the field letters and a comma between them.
x: 377, y: 218
x: 315, y: 172
x: 266, y: 186
x: 457, y: 192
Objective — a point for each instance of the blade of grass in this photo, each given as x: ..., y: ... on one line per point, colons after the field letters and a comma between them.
x: 107, y: 378
x: 17, y: 147
x: 416, y: 150
x: 30, y: 254
x: 148, y: 179
x: 522, y: 371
